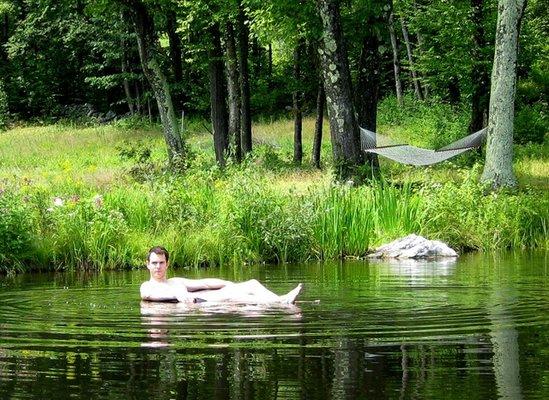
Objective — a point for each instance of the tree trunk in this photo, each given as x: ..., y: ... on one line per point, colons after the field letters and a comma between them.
x: 256, y: 57
x: 175, y: 56
x: 420, y: 43
x: 138, y: 98
x: 396, y: 61
x: 124, y: 68
x: 479, y: 72
x: 245, y: 113
x: 317, y: 141
x: 454, y: 92
x: 368, y: 90
x: 337, y: 84
x: 297, y: 98
x: 233, y: 89
x: 498, y: 169
x: 147, y: 43
x: 417, y: 89
x: 218, y: 105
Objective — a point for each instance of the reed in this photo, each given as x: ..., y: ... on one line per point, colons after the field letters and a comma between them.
x: 349, y: 221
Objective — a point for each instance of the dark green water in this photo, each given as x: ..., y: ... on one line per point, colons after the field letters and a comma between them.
x: 472, y: 329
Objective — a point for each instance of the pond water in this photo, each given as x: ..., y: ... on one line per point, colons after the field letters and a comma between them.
x: 475, y: 328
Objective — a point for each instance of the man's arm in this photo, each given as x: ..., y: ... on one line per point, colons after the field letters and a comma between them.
x: 193, y: 285
x: 165, y: 292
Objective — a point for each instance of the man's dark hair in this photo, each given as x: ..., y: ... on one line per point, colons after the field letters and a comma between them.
x: 159, y: 250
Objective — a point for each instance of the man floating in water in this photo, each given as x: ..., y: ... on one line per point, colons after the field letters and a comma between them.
x: 160, y: 288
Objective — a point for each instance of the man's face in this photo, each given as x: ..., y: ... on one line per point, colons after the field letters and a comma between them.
x: 157, y: 265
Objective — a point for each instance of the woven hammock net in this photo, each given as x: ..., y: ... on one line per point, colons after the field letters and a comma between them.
x: 372, y: 142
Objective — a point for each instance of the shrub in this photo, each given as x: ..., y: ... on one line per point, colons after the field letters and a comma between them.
x: 87, y: 234
x: 267, y: 226
x: 16, y: 231
x: 468, y: 218
x: 429, y: 124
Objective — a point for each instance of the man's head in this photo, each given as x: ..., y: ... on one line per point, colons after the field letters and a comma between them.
x: 157, y: 263
x: 158, y: 250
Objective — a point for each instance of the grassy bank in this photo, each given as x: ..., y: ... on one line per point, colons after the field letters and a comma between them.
x: 98, y: 197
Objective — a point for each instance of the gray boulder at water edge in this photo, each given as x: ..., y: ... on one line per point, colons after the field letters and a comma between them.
x: 414, y: 246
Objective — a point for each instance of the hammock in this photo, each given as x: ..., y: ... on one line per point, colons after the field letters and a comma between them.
x: 372, y: 142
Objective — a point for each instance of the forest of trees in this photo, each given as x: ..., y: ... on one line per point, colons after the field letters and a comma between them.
x: 235, y: 60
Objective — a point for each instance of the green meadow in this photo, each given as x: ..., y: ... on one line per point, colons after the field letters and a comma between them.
x: 98, y: 196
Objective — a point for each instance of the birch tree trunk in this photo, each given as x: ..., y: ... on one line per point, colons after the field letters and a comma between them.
x: 421, y: 47
x: 498, y: 168
x: 124, y: 67
x: 415, y: 80
x: 233, y: 89
x: 396, y: 61
x: 218, y: 104
x: 147, y: 43
x: 175, y: 57
x: 337, y: 84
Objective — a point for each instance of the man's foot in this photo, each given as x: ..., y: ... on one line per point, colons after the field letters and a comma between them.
x: 290, y: 297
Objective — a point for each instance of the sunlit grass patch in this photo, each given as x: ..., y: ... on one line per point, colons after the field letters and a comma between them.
x: 301, y: 181
x: 60, y: 154
x: 532, y: 165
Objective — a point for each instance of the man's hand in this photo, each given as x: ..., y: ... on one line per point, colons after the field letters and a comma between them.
x: 185, y: 298
x: 182, y: 294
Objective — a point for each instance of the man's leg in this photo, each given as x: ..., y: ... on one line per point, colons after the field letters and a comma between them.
x: 248, y: 292
x: 254, y: 288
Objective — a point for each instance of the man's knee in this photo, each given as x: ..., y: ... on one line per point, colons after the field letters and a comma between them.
x: 251, y: 284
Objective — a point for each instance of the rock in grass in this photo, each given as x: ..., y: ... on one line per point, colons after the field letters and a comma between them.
x: 414, y: 246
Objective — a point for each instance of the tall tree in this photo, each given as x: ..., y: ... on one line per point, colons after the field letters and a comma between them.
x: 368, y: 83
x: 4, y: 33
x: 480, y: 78
x: 317, y: 138
x: 298, y: 104
x: 176, y: 54
x: 245, y: 109
x: 417, y: 89
x: 147, y: 42
x: 498, y: 169
x: 396, y: 59
x: 337, y: 84
x: 233, y: 89
x: 218, y: 105
x: 124, y: 65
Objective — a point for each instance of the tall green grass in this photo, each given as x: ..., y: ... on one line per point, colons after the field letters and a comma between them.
x: 349, y: 221
x: 241, y: 218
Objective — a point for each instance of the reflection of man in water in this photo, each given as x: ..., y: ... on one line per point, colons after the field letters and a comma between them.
x: 159, y: 288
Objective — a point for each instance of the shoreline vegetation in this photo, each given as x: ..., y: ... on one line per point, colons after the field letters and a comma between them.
x: 96, y: 197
